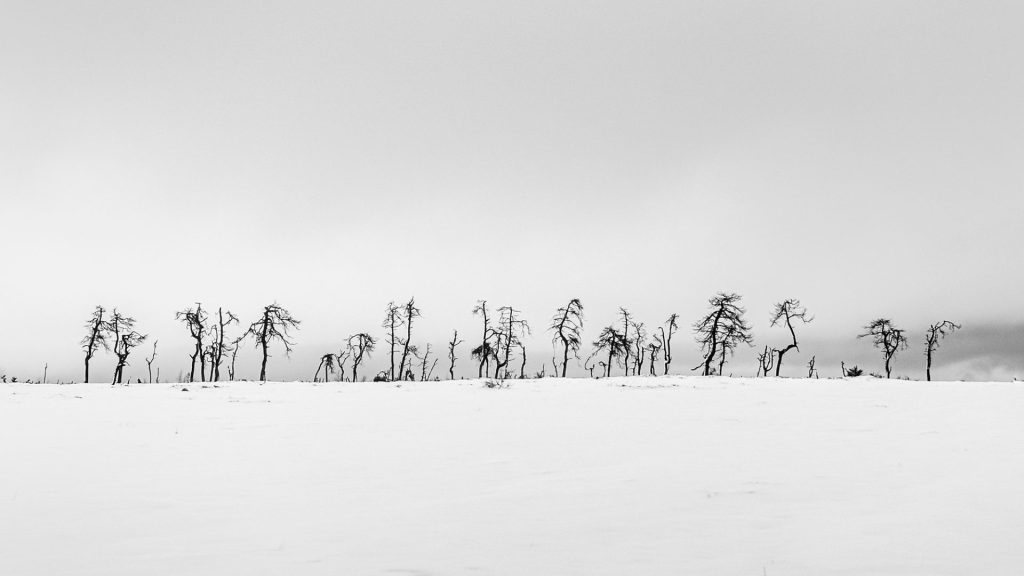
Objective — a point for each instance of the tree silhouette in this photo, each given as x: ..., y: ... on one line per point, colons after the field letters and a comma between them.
x: 784, y: 313
x: 149, y: 362
x: 639, y: 346
x: 614, y: 344
x: 887, y: 338
x: 195, y: 320
x: 936, y: 333
x: 510, y: 331
x: 363, y: 346
x: 664, y: 338
x: 217, y: 345
x: 275, y: 324
x: 765, y: 361
x: 392, y: 321
x: 327, y: 363
x: 485, y: 351
x: 627, y: 319
x: 652, y: 349
x: 721, y: 330
x: 125, y: 338
x: 235, y: 344
x: 567, y: 323
x: 410, y: 312
x: 95, y: 338
x: 451, y: 354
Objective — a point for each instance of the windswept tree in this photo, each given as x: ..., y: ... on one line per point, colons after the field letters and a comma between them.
x: 409, y: 313
x: 327, y: 364
x: 195, y: 320
x: 627, y: 320
x: 122, y: 328
x: 567, y: 324
x: 784, y: 314
x: 149, y: 362
x: 508, y: 335
x: 664, y: 339
x: 936, y: 333
x: 275, y: 324
x: 217, y: 346
x: 392, y: 322
x: 886, y: 337
x: 485, y: 351
x: 360, y: 346
x: 451, y: 354
x: 721, y: 330
x: 610, y: 343
x: 95, y: 337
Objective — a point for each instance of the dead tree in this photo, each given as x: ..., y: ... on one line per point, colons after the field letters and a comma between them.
x: 392, y: 321
x: 327, y: 363
x: 451, y: 354
x: 639, y: 345
x: 485, y: 351
x: 95, y: 338
x: 785, y: 313
x: 627, y: 319
x: 218, y: 347
x: 425, y: 372
x: 614, y: 344
x: 664, y: 339
x: 812, y: 372
x: 936, y: 333
x: 409, y: 313
x: 652, y: 350
x: 125, y: 338
x: 235, y: 344
x: 887, y: 338
x: 363, y: 346
x: 567, y: 323
x: 511, y: 331
x: 275, y: 324
x: 765, y: 360
x: 195, y: 320
x: 149, y: 362
x: 721, y: 330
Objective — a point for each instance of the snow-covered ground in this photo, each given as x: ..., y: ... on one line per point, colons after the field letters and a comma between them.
x: 631, y: 476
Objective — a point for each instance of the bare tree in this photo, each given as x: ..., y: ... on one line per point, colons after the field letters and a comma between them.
x: 218, y: 347
x: 426, y: 368
x: 652, y: 349
x: 149, y: 362
x: 812, y: 372
x: 721, y: 330
x: 275, y: 324
x: 664, y: 339
x: 614, y: 344
x: 765, y: 360
x: 392, y: 321
x: 410, y: 312
x: 567, y: 323
x: 485, y: 351
x: 511, y: 330
x: 887, y: 338
x: 451, y: 354
x: 936, y: 333
x: 195, y: 320
x: 235, y: 344
x: 95, y: 338
x: 627, y: 319
x: 327, y: 363
x: 639, y: 346
x: 125, y: 338
x: 784, y: 314
x: 359, y: 346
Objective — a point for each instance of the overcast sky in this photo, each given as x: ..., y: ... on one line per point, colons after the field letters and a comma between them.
x: 865, y: 157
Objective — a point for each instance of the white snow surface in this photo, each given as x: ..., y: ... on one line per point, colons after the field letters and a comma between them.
x: 621, y: 476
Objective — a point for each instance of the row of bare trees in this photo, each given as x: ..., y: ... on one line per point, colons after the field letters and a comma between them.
x: 501, y: 351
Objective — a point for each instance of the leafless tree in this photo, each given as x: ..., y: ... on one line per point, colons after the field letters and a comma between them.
x: 639, y: 346
x: 652, y: 349
x: 887, y: 338
x: 217, y: 346
x: 95, y: 338
x: 195, y: 320
x: 149, y: 362
x: 936, y: 333
x: 451, y: 354
x: 275, y: 324
x: 359, y: 346
x: 509, y: 333
x: 342, y: 357
x: 664, y: 339
x: 235, y: 344
x: 409, y: 313
x: 721, y: 330
x: 627, y: 319
x: 614, y: 344
x: 327, y: 363
x: 812, y: 372
x: 765, y: 360
x: 785, y: 313
x: 392, y: 321
x: 125, y: 338
x: 426, y: 367
x: 567, y: 323
x: 485, y: 351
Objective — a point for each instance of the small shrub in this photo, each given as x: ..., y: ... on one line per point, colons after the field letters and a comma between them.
x: 854, y: 372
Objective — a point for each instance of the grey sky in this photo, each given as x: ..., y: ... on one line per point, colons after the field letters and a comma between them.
x: 862, y: 156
